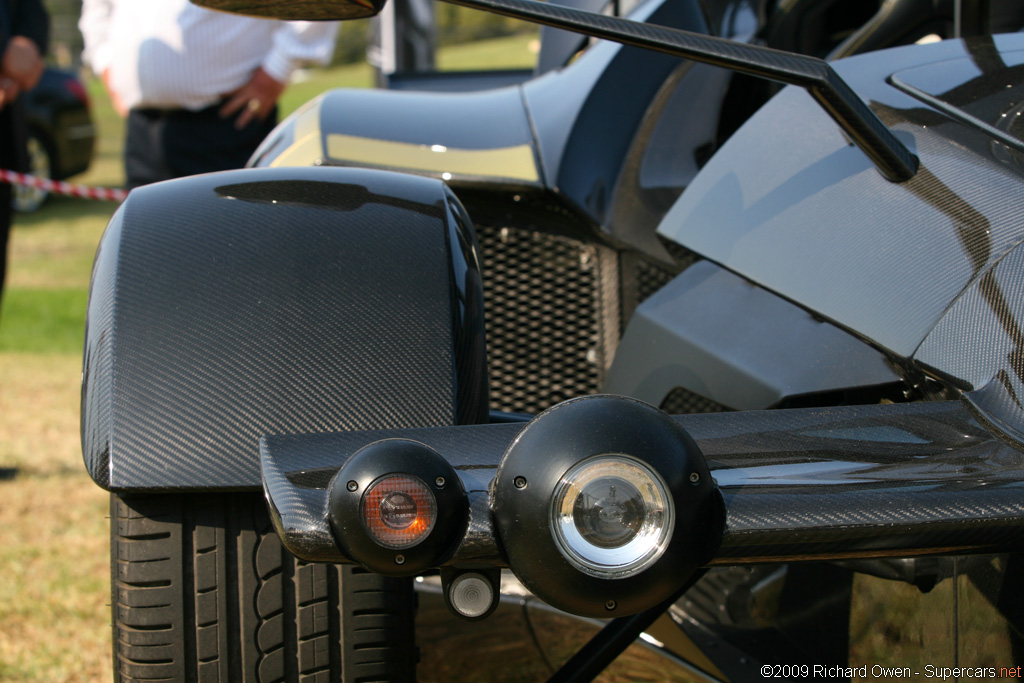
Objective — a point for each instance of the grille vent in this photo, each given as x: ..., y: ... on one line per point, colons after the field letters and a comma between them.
x: 552, y: 318
x: 683, y: 402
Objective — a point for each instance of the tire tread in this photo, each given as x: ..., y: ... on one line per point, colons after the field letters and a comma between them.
x: 202, y: 590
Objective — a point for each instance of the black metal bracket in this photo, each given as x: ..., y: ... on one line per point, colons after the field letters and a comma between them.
x: 612, y: 640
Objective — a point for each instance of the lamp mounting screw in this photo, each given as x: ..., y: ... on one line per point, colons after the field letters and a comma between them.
x: 519, y: 482
x: 439, y: 482
x: 352, y: 486
x: 610, y: 605
x: 694, y: 477
x: 399, y: 559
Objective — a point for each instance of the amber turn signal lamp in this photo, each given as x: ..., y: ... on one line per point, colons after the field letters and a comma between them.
x: 397, y: 508
x: 398, y: 511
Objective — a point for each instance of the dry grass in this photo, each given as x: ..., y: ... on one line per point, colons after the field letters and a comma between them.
x: 39, y: 398
x: 54, y: 561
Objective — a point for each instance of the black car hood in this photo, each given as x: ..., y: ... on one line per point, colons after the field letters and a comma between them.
x: 790, y: 204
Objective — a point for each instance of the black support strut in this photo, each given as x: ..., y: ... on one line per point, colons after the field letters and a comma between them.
x: 612, y: 640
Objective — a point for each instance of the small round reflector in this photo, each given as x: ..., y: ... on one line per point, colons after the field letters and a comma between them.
x: 611, y: 516
x: 398, y: 511
x: 471, y: 595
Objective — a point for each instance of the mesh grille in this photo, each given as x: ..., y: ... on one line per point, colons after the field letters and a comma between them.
x: 683, y: 257
x: 682, y: 402
x: 650, y: 277
x: 642, y: 276
x: 548, y: 300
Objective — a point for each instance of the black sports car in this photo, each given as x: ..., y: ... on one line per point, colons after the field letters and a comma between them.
x: 61, y: 133
x: 806, y: 456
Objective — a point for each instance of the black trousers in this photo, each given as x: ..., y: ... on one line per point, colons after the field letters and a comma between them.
x: 163, y: 144
x: 5, y: 227
x: 13, y: 157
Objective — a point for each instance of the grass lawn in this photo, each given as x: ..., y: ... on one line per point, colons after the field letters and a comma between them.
x: 54, y: 558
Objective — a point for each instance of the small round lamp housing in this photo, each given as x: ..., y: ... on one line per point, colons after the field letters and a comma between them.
x: 472, y: 594
x: 605, y: 506
x: 397, y: 507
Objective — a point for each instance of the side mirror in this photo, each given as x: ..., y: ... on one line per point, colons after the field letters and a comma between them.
x: 302, y: 10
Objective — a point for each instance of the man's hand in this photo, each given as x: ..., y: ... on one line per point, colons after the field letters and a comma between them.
x: 255, y: 99
x: 21, y: 63
x: 8, y: 90
x: 115, y: 98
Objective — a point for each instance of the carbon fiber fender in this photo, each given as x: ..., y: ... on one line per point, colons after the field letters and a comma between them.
x: 275, y: 301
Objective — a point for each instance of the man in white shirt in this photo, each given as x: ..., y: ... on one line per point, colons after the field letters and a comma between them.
x: 199, y: 88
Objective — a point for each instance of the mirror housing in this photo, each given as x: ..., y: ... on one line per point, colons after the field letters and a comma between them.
x: 298, y: 10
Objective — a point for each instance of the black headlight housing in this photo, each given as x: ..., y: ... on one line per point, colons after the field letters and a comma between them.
x: 605, y: 506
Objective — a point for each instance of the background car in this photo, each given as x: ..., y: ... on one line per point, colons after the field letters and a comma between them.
x: 61, y: 133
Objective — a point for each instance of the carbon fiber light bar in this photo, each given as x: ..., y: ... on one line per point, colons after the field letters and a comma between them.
x: 814, y: 484
x: 856, y: 119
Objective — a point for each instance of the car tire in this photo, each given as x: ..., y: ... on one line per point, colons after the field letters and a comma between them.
x: 27, y: 199
x: 203, y: 590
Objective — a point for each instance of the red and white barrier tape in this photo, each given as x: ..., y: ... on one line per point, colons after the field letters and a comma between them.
x: 60, y: 187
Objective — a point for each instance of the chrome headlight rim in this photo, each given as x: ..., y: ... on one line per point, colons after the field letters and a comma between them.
x: 647, y: 538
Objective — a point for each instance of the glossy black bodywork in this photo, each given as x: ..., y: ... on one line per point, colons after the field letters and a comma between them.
x: 559, y: 115
x: 589, y: 94
x: 427, y: 118
x: 835, y: 97
x: 230, y: 305
x: 800, y: 227
x: 716, y: 335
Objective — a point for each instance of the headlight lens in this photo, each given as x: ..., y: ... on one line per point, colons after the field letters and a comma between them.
x: 398, y: 511
x: 611, y: 516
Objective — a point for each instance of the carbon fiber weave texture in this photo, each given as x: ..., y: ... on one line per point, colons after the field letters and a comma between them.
x: 98, y: 361
x: 288, y: 301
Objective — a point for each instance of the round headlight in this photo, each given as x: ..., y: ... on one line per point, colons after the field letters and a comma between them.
x: 605, y: 506
x: 612, y: 516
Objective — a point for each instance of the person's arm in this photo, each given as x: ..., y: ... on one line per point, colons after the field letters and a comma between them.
x: 300, y: 42
x: 94, y: 24
x: 295, y: 43
x: 98, y: 53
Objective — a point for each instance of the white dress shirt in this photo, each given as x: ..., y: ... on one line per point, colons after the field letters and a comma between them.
x: 173, y: 54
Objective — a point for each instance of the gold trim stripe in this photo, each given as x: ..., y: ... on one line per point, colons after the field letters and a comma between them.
x: 306, y: 148
x: 516, y: 162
